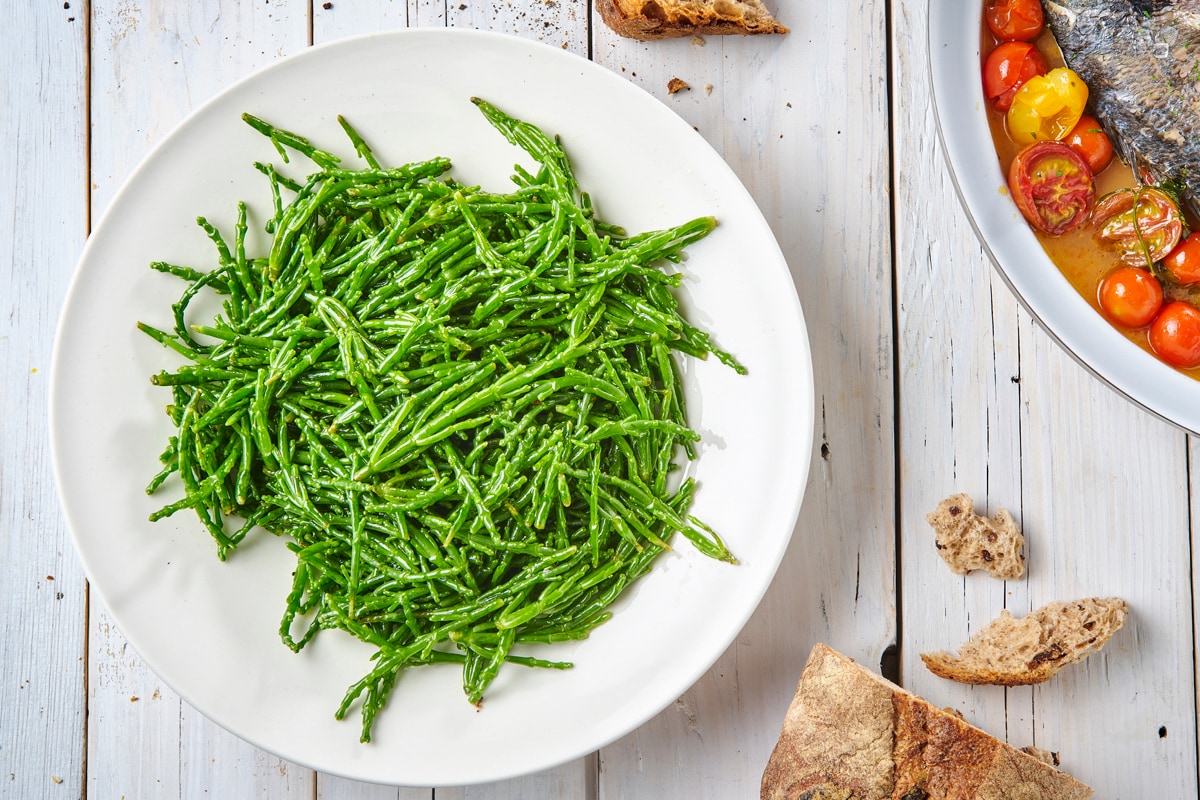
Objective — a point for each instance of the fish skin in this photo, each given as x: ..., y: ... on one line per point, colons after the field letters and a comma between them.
x: 1141, y: 62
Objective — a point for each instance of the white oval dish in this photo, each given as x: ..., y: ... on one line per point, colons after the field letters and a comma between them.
x: 209, y: 629
x: 955, y: 64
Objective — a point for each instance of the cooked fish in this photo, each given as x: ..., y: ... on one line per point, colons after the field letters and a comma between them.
x: 1141, y: 62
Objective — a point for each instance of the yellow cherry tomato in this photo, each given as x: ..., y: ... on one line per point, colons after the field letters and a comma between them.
x: 1047, y: 107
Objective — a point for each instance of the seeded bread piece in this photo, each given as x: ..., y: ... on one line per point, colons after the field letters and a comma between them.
x: 665, y: 19
x: 849, y: 734
x: 968, y: 541
x: 1018, y: 652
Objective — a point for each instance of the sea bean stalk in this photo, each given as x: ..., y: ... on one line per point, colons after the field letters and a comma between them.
x: 461, y: 408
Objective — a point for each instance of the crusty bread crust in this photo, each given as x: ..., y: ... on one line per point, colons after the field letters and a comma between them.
x: 665, y: 19
x: 849, y: 734
x: 1020, y: 652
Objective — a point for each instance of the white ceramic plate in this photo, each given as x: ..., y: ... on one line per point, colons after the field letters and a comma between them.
x: 959, y: 105
x: 209, y: 628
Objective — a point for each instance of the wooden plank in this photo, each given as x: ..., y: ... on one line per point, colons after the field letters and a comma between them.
x: 991, y: 406
x: 802, y: 121
x: 563, y: 23
x: 568, y: 22
x: 43, y: 222
x: 959, y: 373
x: 152, y: 63
x: 575, y: 780
x: 1194, y: 495
x: 559, y: 23
x: 1107, y: 535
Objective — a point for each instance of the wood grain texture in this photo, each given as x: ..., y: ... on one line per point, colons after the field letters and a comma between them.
x: 43, y: 222
x: 805, y: 149
x: 959, y: 368
x: 567, y: 22
x: 931, y: 379
x: 152, y: 62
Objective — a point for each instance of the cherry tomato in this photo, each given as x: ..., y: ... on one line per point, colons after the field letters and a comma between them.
x: 1007, y: 69
x: 1183, y: 263
x: 1143, y: 224
x: 1052, y: 186
x: 1047, y: 106
x: 1130, y: 296
x: 1014, y: 20
x: 1089, y: 140
x: 1175, y: 334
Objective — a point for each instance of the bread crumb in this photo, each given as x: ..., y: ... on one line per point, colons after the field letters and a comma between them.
x: 676, y: 85
x: 1045, y: 756
x: 967, y: 541
x: 1019, y: 652
x: 56, y: 779
x: 698, y: 41
x: 708, y: 88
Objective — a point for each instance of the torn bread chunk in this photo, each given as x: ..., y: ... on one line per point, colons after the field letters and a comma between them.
x: 1018, y: 652
x: 850, y: 734
x: 968, y: 541
x: 665, y: 19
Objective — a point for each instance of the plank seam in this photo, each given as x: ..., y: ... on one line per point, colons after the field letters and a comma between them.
x: 891, y: 659
x: 87, y: 223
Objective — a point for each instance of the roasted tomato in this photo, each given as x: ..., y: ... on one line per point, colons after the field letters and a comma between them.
x: 1014, y: 20
x: 1175, y: 334
x: 1143, y: 224
x: 1007, y: 69
x: 1089, y: 140
x: 1052, y: 186
x: 1130, y: 296
x: 1182, y: 264
x: 1047, y: 106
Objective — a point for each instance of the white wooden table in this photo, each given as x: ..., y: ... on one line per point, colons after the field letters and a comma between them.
x: 930, y: 380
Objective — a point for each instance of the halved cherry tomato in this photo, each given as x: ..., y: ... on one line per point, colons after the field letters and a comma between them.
x: 1089, y: 140
x: 1183, y: 263
x: 1047, y: 106
x: 1142, y: 224
x: 1052, y: 186
x: 1007, y: 69
x: 1175, y: 334
x: 1131, y: 296
x: 1014, y: 20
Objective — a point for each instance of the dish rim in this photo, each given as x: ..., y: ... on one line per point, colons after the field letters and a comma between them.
x: 801, y: 349
x: 954, y: 36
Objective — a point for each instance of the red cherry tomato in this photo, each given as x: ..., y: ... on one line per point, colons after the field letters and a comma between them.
x: 1013, y: 20
x: 1183, y: 263
x: 1131, y: 296
x: 1006, y: 70
x: 1175, y: 334
x: 1143, y: 224
x: 1052, y: 186
x: 1089, y: 140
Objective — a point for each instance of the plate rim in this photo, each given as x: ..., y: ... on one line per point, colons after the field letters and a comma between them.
x: 800, y: 349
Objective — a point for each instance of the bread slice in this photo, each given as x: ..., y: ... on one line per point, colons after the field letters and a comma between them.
x: 1017, y: 652
x: 664, y: 19
x: 968, y: 541
x: 849, y: 734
